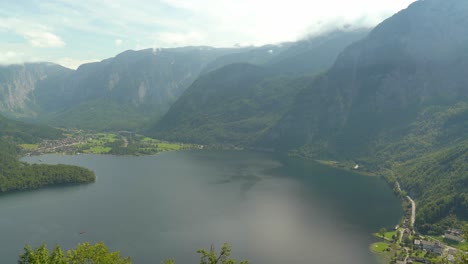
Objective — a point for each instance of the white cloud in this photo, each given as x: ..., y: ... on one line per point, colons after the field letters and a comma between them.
x: 36, y: 34
x: 169, y: 23
x: 266, y: 21
x: 43, y: 39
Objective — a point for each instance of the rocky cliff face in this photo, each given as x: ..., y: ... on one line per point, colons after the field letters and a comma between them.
x: 17, y: 83
x: 142, y: 78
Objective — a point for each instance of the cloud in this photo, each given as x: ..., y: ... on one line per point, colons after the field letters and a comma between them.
x: 36, y: 34
x: 265, y: 21
x: 118, y: 42
x: 89, y: 25
x: 43, y: 39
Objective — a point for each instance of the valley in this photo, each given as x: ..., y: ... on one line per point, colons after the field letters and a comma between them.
x: 316, y: 123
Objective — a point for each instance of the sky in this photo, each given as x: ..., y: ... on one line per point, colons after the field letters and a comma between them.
x: 72, y: 32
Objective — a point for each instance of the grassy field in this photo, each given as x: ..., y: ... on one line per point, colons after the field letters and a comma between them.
x: 97, y: 150
x: 379, y: 247
x: 388, y: 235
x: 128, y: 144
x: 98, y: 144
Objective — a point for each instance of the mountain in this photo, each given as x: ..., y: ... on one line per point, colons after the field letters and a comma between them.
x: 316, y: 54
x: 236, y: 104
x: 309, y: 56
x: 142, y: 84
x: 17, y: 82
x: 233, y: 105
x: 399, y: 96
x: 137, y: 87
x: 249, y: 55
x: 384, y: 80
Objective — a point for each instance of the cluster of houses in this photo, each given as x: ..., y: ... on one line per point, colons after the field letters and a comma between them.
x: 438, y: 248
x: 454, y: 235
x: 435, y: 247
x: 65, y: 145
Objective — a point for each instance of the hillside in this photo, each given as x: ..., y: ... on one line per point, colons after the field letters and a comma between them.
x: 238, y: 103
x: 234, y: 105
x: 20, y: 132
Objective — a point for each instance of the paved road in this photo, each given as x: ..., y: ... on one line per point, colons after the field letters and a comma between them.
x: 413, y: 210
x: 413, y: 206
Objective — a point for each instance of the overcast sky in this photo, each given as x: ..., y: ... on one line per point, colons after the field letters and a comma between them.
x: 71, y: 32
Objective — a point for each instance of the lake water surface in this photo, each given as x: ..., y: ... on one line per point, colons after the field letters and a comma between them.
x: 155, y: 207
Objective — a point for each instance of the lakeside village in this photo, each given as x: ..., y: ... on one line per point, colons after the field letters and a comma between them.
x: 118, y: 143
x: 405, y: 245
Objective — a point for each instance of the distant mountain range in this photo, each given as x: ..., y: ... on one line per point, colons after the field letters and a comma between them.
x: 393, y: 100
x: 136, y: 87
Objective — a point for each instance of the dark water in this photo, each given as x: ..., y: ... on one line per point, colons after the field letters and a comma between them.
x: 168, y: 205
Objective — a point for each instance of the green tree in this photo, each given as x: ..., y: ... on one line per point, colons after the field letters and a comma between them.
x: 95, y: 254
x: 83, y: 254
x: 382, y: 232
x: 465, y: 232
x: 211, y: 257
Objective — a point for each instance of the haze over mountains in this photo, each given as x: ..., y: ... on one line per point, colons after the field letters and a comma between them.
x: 394, y: 99
x: 141, y: 85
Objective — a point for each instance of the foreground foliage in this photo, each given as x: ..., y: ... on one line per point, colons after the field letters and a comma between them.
x: 100, y: 254
x: 83, y: 254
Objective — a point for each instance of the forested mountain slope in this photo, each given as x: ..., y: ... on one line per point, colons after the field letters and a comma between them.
x: 236, y: 104
x: 397, y: 97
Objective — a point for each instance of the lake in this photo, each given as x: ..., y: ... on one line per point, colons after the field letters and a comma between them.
x: 270, y: 210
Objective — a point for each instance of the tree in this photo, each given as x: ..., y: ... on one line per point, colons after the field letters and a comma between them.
x: 96, y: 254
x: 83, y: 254
x: 382, y: 232
x: 99, y: 254
x: 465, y: 232
x: 211, y: 257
